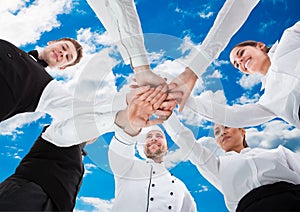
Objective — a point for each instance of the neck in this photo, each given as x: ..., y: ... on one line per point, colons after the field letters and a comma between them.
x: 158, y: 159
x: 266, y: 67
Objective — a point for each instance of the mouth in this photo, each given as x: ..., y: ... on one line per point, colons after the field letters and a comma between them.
x: 225, y: 138
x: 246, y: 64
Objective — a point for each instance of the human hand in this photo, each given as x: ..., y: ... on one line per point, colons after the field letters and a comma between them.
x: 140, y: 109
x: 144, y: 76
x: 163, y: 111
x: 181, y: 87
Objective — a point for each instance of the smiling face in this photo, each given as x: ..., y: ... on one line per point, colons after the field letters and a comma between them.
x: 59, y: 54
x: 229, y: 139
x: 156, y: 145
x: 251, y: 59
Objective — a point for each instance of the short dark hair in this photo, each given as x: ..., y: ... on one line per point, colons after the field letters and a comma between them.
x: 251, y: 43
x: 78, y: 48
x: 245, y: 144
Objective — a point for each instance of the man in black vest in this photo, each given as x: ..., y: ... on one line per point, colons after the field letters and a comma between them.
x: 49, y: 176
x: 47, y: 179
x: 25, y: 85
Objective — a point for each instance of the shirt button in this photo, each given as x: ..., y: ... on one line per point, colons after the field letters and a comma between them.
x: 170, y: 207
x: 153, y: 185
x: 9, y: 55
x: 151, y: 199
x: 171, y: 193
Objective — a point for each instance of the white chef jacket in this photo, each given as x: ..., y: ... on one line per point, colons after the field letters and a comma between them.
x: 144, y: 185
x: 281, y: 97
x: 121, y: 20
x: 235, y: 174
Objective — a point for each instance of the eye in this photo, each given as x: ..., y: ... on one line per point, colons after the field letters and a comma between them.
x: 64, y: 48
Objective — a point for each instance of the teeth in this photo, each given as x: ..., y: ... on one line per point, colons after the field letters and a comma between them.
x: 246, y: 64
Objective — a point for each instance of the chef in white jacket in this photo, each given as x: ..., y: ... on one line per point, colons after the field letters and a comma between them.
x: 145, y: 185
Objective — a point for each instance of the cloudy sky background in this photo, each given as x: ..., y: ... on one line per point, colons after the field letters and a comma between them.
x: 169, y: 27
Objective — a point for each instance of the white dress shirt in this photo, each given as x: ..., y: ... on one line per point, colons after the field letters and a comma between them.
x: 121, y: 20
x: 235, y: 174
x: 281, y: 97
x: 144, y: 185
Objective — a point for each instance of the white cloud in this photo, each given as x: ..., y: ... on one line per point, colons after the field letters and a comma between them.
x: 18, y: 18
x: 205, y: 15
x: 88, y: 169
x: 194, y: 119
x: 216, y: 74
x: 273, y: 134
x: 249, y: 81
x: 246, y: 100
x: 12, y: 126
x: 97, y: 204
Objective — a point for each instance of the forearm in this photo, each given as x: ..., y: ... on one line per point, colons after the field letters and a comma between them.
x: 230, y: 18
x: 121, y: 20
x: 233, y: 116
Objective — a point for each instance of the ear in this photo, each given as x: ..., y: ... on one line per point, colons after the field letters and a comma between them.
x: 243, y: 131
x: 50, y: 42
x: 261, y: 46
x: 61, y: 68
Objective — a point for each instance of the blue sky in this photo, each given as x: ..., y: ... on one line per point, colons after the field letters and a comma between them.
x: 168, y: 27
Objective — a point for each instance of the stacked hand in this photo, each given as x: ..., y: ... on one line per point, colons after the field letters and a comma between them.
x: 151, y: 96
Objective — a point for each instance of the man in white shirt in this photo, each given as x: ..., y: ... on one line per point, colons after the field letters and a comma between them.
x: 25, y: 84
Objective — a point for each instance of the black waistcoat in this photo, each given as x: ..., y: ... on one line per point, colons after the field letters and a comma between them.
x: 22, y: 79
x: 58, y: 170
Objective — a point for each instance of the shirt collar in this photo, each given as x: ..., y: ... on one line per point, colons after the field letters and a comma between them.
x: 35, y: 55
x: 270, y: 54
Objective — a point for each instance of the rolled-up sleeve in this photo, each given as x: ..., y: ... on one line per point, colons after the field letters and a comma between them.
x: 120, y: 19
x: 230, y: 18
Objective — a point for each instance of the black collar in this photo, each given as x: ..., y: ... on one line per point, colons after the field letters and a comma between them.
x: 35, y: 54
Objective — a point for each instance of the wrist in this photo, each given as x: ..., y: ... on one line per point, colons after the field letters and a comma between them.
x: 142, y: 68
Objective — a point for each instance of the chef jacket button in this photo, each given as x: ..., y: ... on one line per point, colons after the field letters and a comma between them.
x: 170, y: 207
x: 153, y: 172
x: 171, y: 174
x: 153, y: 185
x: 9, y: 55
x: 151, y: 199
x: 173, y: 181
x: 171, y: 193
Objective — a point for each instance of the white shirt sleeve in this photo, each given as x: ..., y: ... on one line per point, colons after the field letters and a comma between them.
x: 122, y: 23
x: 56, y: 100
x: 121, y: 152
x: 293, y: 160
x: 233, y: 116
x: 230, y: 18
x: 205, y: 160
x: 87, y: 122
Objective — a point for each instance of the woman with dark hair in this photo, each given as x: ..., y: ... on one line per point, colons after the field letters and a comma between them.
x: 251, y: 179
x: 280, y: 67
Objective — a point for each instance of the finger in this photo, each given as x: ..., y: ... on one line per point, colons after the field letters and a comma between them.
x: 146, y: 94
x: 133, y: 86
x: 157, y: 101
x: 172, y: 86
x: 156, y: 93
x: 168, y: 105
x: 154, y: 122
x: 140, y: 89
x: 163, y: 113
x: 182, y: 104
x: 175, y: 95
